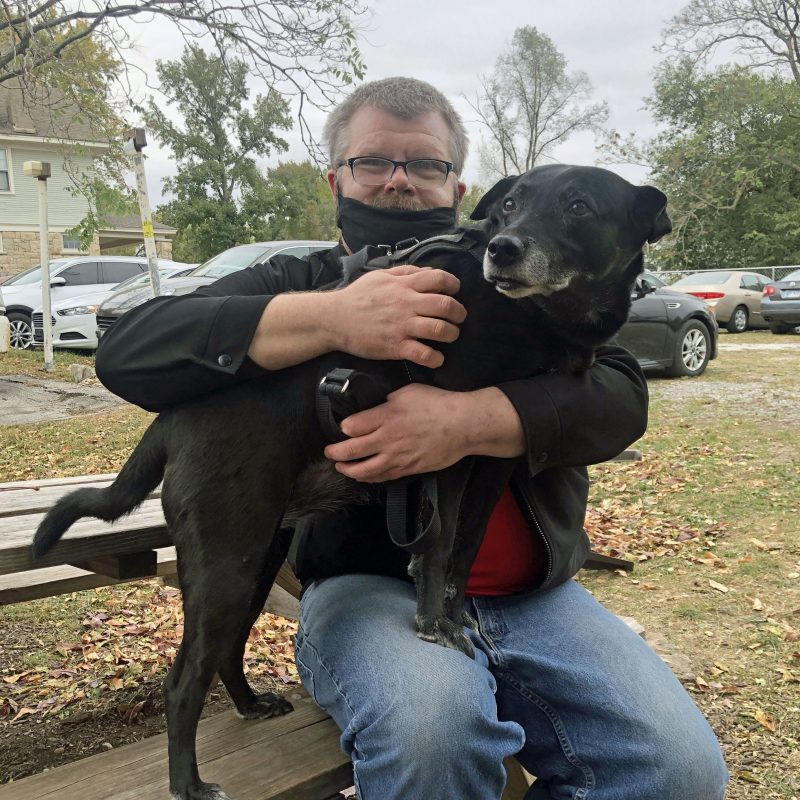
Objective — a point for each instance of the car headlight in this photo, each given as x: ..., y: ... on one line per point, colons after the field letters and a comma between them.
x: 76, y: 311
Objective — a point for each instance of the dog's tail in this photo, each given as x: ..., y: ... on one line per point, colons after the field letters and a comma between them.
x: 141, y: 474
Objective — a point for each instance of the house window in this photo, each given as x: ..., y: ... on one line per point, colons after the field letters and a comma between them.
x: 5, y: 171
x: 70, y: 244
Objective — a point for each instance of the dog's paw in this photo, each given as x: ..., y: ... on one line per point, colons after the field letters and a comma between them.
x: 445, y: 632
x: 203, y: 791
x: 265, y: 706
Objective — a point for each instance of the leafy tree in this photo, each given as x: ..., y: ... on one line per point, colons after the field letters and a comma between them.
x: 297, y: 201
x: 468, y: 202
x: 765, y: 32
x: 301, y: 47
x: 530, y: 104
x: 728, y: 162
x: 214, y: 149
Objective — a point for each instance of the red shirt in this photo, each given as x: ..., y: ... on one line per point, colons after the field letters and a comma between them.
x: 512, y: 557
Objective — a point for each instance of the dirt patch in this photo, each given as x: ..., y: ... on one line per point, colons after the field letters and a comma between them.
x: 27, y: 400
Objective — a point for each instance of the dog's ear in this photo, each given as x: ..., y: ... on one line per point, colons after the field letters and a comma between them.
x: 651, y: 211
x: 499, y: 190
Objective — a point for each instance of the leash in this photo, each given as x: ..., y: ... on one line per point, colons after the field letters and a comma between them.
x: 342, y: 392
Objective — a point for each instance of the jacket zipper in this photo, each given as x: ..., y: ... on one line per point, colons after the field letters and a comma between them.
x: 537, y: 525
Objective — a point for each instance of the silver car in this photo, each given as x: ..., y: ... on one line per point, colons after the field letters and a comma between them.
x: 230, y: 260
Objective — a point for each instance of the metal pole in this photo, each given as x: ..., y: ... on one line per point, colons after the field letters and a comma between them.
x: 147, y: 223
x: 44, y: 256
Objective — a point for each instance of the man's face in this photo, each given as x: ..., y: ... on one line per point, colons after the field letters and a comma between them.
x: 373, y: 132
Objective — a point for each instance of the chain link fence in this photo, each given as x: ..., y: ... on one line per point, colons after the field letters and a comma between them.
x: 773, y: 273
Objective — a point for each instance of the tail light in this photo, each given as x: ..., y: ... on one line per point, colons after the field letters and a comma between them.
x: 708, y: 295
x: 769, y: 290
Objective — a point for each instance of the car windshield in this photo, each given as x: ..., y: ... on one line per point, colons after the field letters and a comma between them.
x: 230, y: 261
x: 143, y: 279
x: 703, y: 277
x: 792, y: 276
x: 32, y: 275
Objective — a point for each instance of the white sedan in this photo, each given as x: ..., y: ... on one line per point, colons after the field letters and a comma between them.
x: 74, y: 322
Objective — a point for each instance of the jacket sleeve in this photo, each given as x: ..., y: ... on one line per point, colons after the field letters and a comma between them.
x: 175, y: 348
x: 582, y: 418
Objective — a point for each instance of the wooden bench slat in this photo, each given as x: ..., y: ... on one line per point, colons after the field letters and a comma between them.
x: 37, y: 583
x: 143, y: 530
x: 295, y: 757
x: 37, y: 497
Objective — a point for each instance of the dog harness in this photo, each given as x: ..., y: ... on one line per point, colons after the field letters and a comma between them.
x: 412, y: 508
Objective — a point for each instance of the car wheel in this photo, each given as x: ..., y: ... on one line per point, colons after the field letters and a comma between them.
x: 21, y: 330
x: 692, y: 350
x: 738, y: 321
x: 779, y: 328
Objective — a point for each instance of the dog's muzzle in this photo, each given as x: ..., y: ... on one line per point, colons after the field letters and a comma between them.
x: 519, y: 268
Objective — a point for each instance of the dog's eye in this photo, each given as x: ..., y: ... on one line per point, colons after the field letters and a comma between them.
x: 509, y: 205
x: 578, y: 208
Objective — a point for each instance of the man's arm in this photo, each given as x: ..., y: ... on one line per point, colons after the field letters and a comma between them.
x: 553, y: 419
x: 174, y: 349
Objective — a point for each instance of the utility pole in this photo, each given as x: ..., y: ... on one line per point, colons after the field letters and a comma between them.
x: 41, y: 171
x: 135, y: 142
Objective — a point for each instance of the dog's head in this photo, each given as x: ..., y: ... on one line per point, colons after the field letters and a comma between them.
x: 557, y: 222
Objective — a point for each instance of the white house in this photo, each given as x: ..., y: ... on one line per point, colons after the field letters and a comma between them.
x: 33, y: 132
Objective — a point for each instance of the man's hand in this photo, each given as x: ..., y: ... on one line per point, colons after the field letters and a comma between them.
x: 384, y: 313
x: 423, y: 429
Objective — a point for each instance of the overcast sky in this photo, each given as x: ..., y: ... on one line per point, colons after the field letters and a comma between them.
x: 451, y: 44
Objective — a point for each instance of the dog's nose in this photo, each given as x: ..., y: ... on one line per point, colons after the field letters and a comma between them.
x: 505, y: 249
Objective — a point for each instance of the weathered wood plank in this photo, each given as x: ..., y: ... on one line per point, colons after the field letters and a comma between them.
x: 30, y: 497
x: 34, y: 584
x: 143, y: 530
x: 126, y: 567
x: 295, y: 757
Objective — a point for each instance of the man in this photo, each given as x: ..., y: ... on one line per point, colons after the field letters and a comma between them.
x: 558, y: 680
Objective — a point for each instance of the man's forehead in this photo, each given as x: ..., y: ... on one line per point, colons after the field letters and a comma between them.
x: 373, y: 131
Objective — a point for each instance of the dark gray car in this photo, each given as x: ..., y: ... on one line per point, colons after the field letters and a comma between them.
x: 780, y: 303
x: 669, y: 331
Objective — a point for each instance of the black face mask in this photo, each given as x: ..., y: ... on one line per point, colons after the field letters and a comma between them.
x: 362, y: 224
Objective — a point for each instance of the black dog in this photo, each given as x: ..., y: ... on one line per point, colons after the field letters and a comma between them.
x: 564, y: 245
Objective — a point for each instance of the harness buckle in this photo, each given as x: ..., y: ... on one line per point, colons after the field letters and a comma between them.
x: 336, y: 382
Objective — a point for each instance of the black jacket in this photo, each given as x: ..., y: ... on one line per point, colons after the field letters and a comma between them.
x: 174, y: 348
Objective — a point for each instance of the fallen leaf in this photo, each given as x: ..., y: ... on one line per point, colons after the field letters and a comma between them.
x: 763, y: 719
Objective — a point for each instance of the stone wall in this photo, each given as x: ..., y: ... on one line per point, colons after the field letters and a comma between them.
x: 21, y: 250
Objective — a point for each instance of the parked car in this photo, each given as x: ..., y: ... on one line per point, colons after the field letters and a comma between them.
x: 231, y: 260
x: 69, y: 277
x: 780, y: 303
x: 667, y: 330
x: 734, y: 294
x: 74, y: 323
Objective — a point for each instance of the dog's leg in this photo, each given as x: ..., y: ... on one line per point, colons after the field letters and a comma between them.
x: 223, y: 552
x: 487, y: 481
x: 249, y: 704
x: 430, y: 570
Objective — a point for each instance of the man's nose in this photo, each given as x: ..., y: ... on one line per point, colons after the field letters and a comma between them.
x: 399, y: 181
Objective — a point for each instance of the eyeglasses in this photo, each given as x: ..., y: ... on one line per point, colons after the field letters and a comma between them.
x: 424, y: 173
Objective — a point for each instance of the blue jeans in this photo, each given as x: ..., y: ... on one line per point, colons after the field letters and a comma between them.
x: 558, y: 681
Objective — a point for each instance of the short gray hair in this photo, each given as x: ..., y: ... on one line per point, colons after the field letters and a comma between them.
x: 405, y: 98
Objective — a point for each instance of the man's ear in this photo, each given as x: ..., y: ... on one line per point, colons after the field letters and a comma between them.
x: 651, y: 210
x: 498, y: 191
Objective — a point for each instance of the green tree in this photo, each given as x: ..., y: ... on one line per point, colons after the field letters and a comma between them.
x: 214, y: 149
x: 530, y: 104
x: 728, y: 161
x: 468, y: 202
x: 298, y: 203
